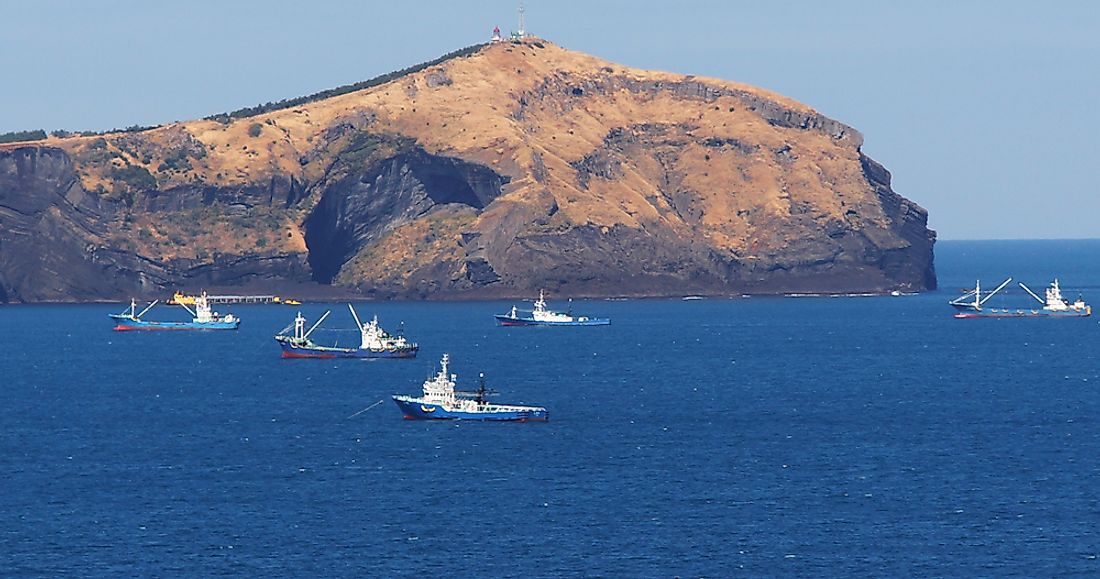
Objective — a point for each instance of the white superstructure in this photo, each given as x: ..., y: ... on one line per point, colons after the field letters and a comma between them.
x: 203, y: 314
x: 373, y: 337
x: 541, y: 314
x: 1055, y: 302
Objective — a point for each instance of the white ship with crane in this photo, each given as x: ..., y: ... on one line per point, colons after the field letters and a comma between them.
x: 374, y: 342
x: 202, y: 318
x: 972, y: 304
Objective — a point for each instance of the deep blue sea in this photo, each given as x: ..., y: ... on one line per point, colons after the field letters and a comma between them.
x: 810, y: 436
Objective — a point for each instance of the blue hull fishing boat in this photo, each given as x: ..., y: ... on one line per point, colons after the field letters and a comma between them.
x: 203, y: 318
x: 971, y: 305
x: 541, y: 316
x: 441, y: 401
x: 374, y: 342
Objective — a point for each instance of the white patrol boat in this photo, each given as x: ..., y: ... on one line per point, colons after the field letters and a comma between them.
x: 541, y: 316
x: 441, y: 401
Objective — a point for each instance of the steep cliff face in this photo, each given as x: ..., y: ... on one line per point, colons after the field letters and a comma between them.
x: 60, y: 243
x: 47, y: 222
x: 360, y: 208
x: 522, y: 166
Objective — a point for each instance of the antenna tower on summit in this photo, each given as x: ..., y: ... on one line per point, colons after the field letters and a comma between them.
x: 522, y: 32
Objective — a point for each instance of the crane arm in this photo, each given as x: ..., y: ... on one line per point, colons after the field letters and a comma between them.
x: 999, y: 288
x: 149, y: 307
x: 317, y: 324
x: 358, y: 325
x: 1031, y: 293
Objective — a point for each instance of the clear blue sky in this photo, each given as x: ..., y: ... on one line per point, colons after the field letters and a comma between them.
x: 986, y: 113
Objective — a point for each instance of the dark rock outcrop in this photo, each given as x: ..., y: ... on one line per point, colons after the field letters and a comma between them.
x: 48, y: 228
x: 359, y: 208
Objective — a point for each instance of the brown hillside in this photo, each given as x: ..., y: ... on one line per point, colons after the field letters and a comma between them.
x: 522, y: 166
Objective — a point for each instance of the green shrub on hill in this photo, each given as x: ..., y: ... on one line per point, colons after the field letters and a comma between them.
x: 136, y: 177
x: 288, y: 103
x: 16, y: 136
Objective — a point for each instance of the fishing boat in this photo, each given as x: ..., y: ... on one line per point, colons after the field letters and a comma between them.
x: 541, y: 316
x: 441, y: 401
x: 374, y: 342
x: 1053, y: 306
x: 202, y: 318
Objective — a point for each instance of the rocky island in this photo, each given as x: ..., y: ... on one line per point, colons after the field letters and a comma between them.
x: 495, y: 171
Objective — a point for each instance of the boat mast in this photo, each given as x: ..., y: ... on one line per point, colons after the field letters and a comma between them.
x: 299, y: 327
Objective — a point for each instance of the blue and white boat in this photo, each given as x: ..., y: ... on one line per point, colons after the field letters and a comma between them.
x: 203, y: 318
x: 441, y: 401
x: 374, y: 342
x: 541, y: 316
